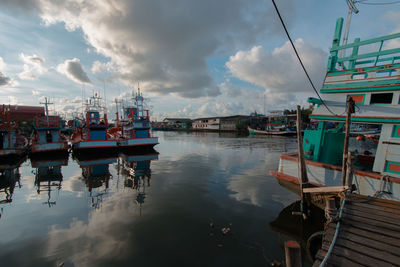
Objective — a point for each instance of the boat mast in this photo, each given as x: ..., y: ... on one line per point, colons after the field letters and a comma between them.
x: 352, y: 8
x: 46, y: 104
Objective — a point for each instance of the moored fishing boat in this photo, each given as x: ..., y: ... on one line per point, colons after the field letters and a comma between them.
x: 47, y: 137
x: 92, y: 136
x: 371, y: 81
x: 277, y: 124
x: 133, y: 131
x: 12, y: 142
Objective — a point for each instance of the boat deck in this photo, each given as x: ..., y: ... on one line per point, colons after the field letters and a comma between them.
x: 369, y: 234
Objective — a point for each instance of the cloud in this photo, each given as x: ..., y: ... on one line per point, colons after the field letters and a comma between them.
x: 2, y: 64
x: 4, y: 80
x: 33, y: 67
x: 99, y: 67
x: 99, y: 234
x: 73, y: 69
x: 279, y: 71
x: 164, y: 44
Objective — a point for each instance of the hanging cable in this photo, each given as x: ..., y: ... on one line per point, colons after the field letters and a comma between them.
x: 301, y: 62
x: 378, y: 4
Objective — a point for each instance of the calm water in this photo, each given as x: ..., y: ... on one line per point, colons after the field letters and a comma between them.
x: 163, y: 209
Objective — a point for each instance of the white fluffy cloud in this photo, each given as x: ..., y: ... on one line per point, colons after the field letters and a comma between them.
x: 279, y: 71
x: 33, y: 67
x: 166, y: 44
x: 73, y: 69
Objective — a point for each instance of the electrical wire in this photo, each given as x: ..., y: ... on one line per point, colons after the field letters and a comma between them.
x: 379, y: 4
x: 301, y: 62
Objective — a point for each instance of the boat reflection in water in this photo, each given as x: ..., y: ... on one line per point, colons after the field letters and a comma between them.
x: 96, y: 174
x: 137, y: 172
x: 308, y: 233
x: 9, y: 179
x: 48, y: 175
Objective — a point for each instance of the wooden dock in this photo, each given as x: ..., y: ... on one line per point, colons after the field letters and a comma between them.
x: 368, y: 234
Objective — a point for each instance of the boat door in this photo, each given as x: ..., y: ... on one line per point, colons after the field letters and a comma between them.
x: 387, y: 159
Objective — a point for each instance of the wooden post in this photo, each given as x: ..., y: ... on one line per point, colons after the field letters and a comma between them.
x: 330, y: 208
x: 350, y: 110
x: 292, y: 254
x: 302, y: 171
x: 349, y: 169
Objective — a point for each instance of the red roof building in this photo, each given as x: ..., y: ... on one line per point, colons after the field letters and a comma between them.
x: 22, y: 113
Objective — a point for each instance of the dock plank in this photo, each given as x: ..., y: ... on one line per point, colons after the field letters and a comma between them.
x: 369, y: 234
x: 365, y: 220
x: 390, y: 211
x: 340, y: 252
x: 364, y: 246
x: 377, y: 210
x: 373, y: 216
x: 335, y: 261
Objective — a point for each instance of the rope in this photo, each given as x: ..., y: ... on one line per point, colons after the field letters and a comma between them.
x: 301, y: 62
x: 381, y: 185
x: 334, y: 237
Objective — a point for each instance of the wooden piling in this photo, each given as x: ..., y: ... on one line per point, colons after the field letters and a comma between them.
x: 350, y: 109
x: 302, y: 171
x: 292, y: 254
x: 349, y: 169
x: 330, y: 208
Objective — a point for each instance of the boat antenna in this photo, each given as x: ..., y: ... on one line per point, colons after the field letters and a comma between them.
x: 352, y: 9
x: 46, y: 103
x: 104, y: 89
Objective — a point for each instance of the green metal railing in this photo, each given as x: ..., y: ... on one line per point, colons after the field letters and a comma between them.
x: 373, y: 58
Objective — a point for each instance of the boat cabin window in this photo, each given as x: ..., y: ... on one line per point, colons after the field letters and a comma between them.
x: 359, y: 76
x: 382, y: 98
x: 1, y: 140
x: 49, y: 137
x: 386, y: 73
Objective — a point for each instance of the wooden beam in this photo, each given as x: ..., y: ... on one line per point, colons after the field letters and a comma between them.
x: 325, y: 189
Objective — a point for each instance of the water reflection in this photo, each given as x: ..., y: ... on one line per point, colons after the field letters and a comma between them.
x: 136, y: 169
x: 197, y: 180
x: 9, y: 179
x: 96, y: 175
x: 293, y: 227
x: 48, y: 175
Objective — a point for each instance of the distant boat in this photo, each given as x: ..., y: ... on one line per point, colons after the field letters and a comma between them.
x: 12, y: 143
x: 47, y: 135
x: 277, y: 124
x: 92, y: 136
x: 133, y: 131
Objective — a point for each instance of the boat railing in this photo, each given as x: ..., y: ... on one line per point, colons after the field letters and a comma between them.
x: 384, y: 55
x: 50, y: 121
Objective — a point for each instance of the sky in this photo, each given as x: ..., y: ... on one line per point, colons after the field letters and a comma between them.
x: 190, y: 58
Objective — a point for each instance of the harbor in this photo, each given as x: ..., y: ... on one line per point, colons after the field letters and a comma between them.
x: 200, y: 140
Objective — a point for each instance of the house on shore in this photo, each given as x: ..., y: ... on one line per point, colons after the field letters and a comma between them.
x: 228, y: 124
x: 180, y: 123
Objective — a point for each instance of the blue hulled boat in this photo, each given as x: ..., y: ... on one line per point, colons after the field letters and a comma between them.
x: 47, y: 135
x: 92, y: 135
x: 133, y: 131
